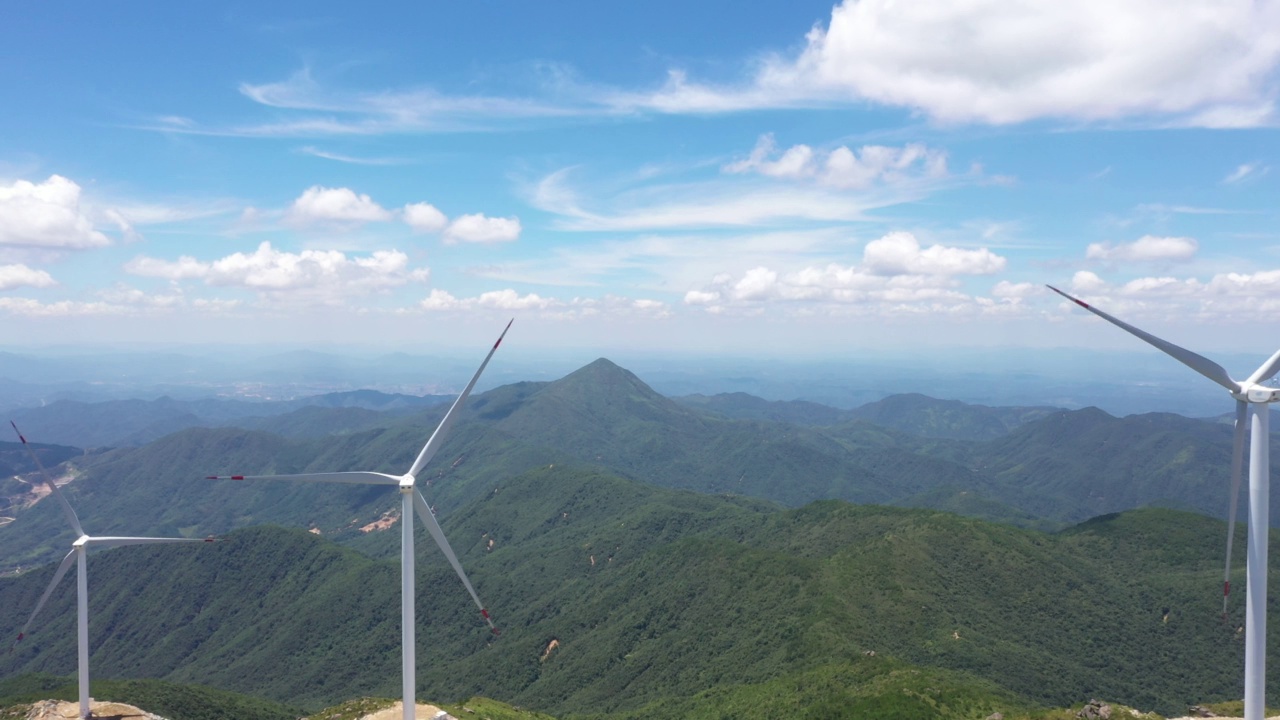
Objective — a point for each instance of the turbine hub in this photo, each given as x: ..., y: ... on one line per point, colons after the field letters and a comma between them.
x: 406, y: 482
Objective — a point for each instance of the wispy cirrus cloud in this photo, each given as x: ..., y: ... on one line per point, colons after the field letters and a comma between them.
x: 1246, y: 171
x: 350, y: 159
x: 1201, y: 63
x: 712, y: 204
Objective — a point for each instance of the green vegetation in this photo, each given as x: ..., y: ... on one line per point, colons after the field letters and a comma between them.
x: 632, y: 599
x: 868, y: 688
x: 651, y: 595
x: 481, y: 708
x: 352, y: 709
x: 171, y: 700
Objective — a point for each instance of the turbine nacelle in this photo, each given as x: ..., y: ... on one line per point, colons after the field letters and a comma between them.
x: 406, y: 482
x: 1254, y: 393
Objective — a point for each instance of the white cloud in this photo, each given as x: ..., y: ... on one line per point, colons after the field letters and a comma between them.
x: 215, y: 305
x: 649, y: 305
x: 440, y: 300
x: 702, y: 205
x: 511, y: 300
x: 1015, y: 292
x: 1207, y: 62
x: 895, y: 276
x: 184, y: 268
x: 122, y: 294
x: 424, y: 217
x: 62, y: 308
x: 118, y: 300
x: 1203, y: 63
x: 1265, y: 283
x: 757, y: 284
x: 842, y: 167
x: 899, y: 253
x: 342, y: 205
x: 478, y: 228
x: 1224, y: 297
x: 1145, y: 248
x: 507, y: 299
x: 46, y: 215
x: 1247, y: 170
x: 552, y: 308
x: 701, y: 297
x: 270, y: 270
x: 1085, y: 281
x: 797, y: 161
x: 15, y: 276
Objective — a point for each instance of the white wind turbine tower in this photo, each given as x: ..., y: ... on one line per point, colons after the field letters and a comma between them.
x: 410, y: 499
x: 77, y: 554
x: 1252, y: 401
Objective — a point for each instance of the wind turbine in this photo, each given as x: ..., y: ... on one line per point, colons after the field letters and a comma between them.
x: 1252, y: 400
x: 77, y: 554
x: 410, y: 499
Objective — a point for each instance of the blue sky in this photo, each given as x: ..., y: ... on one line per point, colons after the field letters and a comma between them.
x: 786, y: 178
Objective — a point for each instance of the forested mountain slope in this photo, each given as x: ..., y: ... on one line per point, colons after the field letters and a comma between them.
x: 652, y: 594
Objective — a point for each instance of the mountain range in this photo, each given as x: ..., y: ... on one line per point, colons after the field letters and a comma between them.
x: 643, y: 551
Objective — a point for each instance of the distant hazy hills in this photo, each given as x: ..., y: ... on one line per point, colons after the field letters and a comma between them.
x: 653, y: 596
x: 910, y: 413
x: 137, y: 422
x: 1048, y: 468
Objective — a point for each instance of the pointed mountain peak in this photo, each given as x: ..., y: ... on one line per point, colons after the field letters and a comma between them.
x: 601, y: 365
x: 603, y: 374
x: 601, y: 394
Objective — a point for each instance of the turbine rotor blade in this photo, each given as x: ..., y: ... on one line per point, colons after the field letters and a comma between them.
x: 66, y: 506
x: 361, y: 478
x: 437, y: 437
x: 433, y: 527
x: 1268, y: 369
x: 115, y: 541
x: 1237, y: 461
x: 57, y: 576
x: 1199, y: 363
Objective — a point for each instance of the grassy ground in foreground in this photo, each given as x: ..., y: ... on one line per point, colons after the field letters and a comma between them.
x: 175, y: 701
